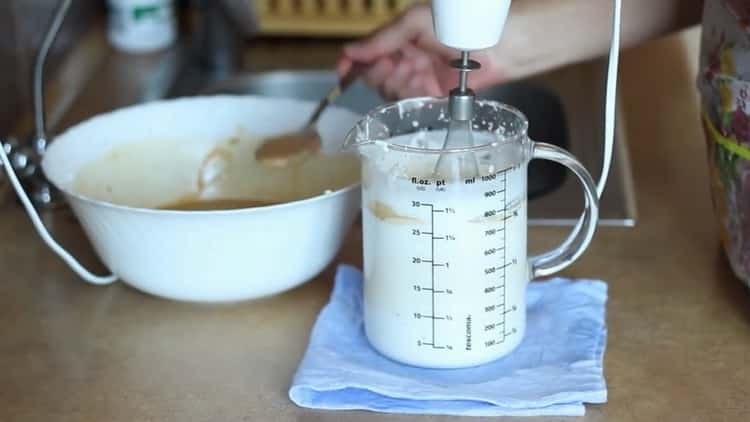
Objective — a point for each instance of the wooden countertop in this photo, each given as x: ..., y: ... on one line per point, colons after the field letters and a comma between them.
x: 679, y: 322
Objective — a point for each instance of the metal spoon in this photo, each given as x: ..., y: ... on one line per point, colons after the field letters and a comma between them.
x: 281, y: 150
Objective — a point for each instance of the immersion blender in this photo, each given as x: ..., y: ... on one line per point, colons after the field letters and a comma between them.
x: 478, y: 24
x: 454, y: 22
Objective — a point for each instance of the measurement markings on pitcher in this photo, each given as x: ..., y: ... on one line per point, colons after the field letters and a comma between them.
x: 497, y: 274
x: 435, y: 266
x: 491, y: 238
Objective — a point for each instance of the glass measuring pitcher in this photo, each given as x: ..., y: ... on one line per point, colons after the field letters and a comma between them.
x: 445, y: 260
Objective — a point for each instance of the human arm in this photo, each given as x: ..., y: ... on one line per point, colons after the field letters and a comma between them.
x: 407, y: 60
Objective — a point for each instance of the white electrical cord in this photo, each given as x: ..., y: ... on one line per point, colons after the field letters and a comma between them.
x: 610, y: 108
x: 610, y: 101
x: 42, y: 230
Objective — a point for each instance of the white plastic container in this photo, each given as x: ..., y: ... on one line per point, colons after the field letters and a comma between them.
x: 141, y: 26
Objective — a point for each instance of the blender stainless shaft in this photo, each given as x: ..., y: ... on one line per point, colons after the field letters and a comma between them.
x: 461, y: 100
x: 461, y: 111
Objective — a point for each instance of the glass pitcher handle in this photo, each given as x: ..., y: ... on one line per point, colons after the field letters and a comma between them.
x: 571, y: 249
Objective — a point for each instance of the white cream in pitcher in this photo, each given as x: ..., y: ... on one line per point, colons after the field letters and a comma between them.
x: 445, y: 261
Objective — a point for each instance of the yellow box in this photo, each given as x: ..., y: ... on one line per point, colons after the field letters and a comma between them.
x: 326, y: 18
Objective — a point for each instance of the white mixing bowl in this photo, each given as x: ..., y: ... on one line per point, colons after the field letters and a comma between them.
x: 209, y: 256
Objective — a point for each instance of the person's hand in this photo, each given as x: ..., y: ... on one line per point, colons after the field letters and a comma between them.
x: 406, y: 60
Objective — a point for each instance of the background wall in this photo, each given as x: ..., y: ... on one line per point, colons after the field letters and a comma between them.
x: 22, y: 26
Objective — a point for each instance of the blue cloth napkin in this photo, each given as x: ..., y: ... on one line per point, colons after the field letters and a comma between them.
x: 556, y: 369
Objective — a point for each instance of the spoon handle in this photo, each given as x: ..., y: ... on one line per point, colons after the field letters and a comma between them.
x: 352, y: 75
